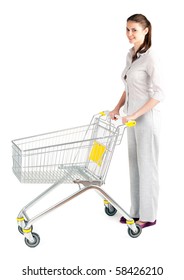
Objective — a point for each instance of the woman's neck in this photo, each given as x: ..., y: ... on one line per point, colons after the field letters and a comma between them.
x: 137, y: 46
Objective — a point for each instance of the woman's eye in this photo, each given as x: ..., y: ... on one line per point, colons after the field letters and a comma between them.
x: 133, y: 29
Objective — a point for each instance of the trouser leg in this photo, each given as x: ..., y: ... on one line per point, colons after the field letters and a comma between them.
x: 147, y: 135
x: 134, y: 173
x: 146, y: 139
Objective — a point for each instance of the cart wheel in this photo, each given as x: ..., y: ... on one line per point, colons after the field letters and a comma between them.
x: 35, y: 242
x: 110, y: 211
x: 133, y: 234
x: 21, y: 230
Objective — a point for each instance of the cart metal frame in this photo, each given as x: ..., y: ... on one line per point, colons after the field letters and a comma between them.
x: 79, y: 155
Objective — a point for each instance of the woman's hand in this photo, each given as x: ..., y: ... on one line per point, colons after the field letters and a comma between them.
x: 113, y: 113
x: 125, y: 119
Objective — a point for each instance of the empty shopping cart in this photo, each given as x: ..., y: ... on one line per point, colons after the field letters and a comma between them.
x: 79, y: 155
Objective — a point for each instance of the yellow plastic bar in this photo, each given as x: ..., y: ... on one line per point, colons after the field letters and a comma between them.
x: 102, y: 113
x: 20, y: 219
x: 106, y: 201
x: 27, y: 230
x: 130, y: 123
x: 97, y: 152
x: 130, y: 222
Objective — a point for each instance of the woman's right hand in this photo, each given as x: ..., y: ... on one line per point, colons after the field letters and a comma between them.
x: 113, y: 113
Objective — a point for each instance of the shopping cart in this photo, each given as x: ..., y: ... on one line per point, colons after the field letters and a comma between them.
x: 79, y: 155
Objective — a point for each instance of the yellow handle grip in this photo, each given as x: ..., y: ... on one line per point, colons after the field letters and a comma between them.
x: 103, y: 113
x: 130, y: 123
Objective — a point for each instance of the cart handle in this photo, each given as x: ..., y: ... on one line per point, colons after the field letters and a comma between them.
x: 130, y: 123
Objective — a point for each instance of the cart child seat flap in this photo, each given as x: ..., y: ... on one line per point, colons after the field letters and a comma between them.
x: 97, y: 152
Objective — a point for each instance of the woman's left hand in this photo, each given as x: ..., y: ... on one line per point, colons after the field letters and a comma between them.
x: 125, y: 119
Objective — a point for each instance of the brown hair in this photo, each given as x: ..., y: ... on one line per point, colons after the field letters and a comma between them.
x: 142, y: 20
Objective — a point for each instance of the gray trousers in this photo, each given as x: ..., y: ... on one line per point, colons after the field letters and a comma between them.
x: 143, y: 150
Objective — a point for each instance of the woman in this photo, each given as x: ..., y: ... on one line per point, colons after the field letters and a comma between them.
x: 140, y: 99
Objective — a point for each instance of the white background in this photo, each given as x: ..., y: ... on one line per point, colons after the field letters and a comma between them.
x: 60, y: 63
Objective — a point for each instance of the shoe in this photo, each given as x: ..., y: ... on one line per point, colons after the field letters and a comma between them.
x: 123, y: 220
x: 147, y: 224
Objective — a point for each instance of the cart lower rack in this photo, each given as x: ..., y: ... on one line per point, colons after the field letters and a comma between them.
x: 79, y: 155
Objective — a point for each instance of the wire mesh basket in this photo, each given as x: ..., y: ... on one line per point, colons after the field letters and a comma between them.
x: 79, y: 153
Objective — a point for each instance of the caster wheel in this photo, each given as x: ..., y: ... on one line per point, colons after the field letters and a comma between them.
x: 133, y: 234
x: 110, y: 211
x: 21, y: 231
x: 35, y: 242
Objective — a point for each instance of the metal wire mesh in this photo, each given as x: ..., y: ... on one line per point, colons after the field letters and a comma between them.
x: 64, y: 155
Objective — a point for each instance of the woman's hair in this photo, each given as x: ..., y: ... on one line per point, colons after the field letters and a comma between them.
x: 144, y: 22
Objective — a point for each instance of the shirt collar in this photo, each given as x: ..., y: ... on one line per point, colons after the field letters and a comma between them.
x: 138, y: 54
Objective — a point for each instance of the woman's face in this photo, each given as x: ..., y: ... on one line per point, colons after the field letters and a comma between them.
x: 135, y: 33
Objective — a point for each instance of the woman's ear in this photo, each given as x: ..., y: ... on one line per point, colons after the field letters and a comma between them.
x: 146, y: 30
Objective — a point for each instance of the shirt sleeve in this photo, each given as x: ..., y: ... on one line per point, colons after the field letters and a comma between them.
x: 154, y: 71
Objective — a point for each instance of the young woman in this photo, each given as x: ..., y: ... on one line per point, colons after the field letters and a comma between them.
x: 140, y: 99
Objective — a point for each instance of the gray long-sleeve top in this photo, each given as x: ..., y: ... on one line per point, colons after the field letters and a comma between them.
x: 142, y: 80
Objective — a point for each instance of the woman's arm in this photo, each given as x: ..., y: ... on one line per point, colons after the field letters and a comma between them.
x: 153, y: 71
x: 118, y: 106
x: 144, y: 109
